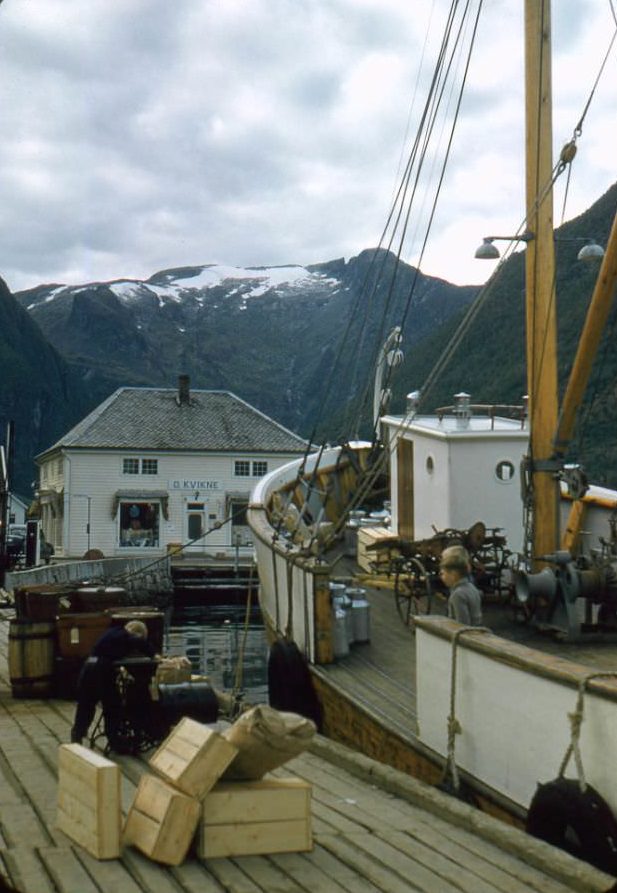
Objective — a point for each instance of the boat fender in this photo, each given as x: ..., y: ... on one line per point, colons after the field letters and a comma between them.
x: 290, y: 687
x: 579, y: 822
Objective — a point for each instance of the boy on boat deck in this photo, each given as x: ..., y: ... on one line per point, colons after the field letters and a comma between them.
x: 464, y: 603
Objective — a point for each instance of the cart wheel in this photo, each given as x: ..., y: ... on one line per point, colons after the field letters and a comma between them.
x: 412, y: 591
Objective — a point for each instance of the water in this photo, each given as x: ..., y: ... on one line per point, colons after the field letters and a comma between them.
x: 212, y: 638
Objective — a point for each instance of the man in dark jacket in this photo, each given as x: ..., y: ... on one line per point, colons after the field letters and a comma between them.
x: 97, y: 680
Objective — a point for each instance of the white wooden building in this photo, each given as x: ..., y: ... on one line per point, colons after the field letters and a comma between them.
x: 17, y: 509
x: 150, y: 468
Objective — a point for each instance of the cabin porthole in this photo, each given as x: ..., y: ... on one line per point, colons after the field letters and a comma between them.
x: 505, y: 471
x: 430, y: 465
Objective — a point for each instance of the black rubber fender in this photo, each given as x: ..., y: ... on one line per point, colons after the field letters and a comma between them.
x: 197, y: 700
x: 290, y: 687
x: 579, y: 822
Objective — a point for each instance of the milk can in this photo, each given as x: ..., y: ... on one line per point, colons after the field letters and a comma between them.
x: 360, y: 613
x: 341, y: 642
x: 342, y: 602
x: 351, y: 538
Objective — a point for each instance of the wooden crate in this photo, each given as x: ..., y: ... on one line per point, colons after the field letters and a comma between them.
x: 251, y: 818
x: 79, y: 633
x: 89, y: 800
x: 374, y: 536
x: 193, y: 757
x: 161, y: 821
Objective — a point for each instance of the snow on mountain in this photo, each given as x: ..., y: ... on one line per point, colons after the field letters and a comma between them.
x: 195, y: 282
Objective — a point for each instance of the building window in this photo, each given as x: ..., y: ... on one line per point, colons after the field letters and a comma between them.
x: 60, y: 466
x: 130, y: 466
x: 139, y: 525
x: 260, y: 468
x: 242, y: 468
x: 149, y: 466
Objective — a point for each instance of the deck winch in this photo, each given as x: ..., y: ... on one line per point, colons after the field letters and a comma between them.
x: 555, y: 593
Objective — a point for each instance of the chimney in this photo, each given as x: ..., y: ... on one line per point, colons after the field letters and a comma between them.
x: 462, y: 409
x: 184, y: 392
x: 413, y: 401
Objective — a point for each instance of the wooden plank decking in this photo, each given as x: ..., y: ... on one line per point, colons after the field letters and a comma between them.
x: 380, y: 676
x: 368, y: 837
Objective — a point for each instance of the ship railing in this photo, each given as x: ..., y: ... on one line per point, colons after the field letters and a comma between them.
x: 293, y: 580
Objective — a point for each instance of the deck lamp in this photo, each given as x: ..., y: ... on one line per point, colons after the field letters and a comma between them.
x: 590, y: 250
x: 488, y: 251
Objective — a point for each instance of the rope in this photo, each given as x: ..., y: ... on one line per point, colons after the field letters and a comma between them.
x: 576, y: 721
x: 290, y: 604
x: 237, y: 689
x: 453, y: 725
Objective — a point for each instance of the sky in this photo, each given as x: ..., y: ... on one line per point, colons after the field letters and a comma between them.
x: 144, y: 135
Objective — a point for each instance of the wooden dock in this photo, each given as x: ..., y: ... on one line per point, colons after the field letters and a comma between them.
x: 374, y: 830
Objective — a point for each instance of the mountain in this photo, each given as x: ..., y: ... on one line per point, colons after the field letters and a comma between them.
x: 272, y: 335
x: 39, y: 393
x: 296, y: 342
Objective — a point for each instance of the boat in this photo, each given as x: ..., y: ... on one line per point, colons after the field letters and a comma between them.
x: 526, y: 707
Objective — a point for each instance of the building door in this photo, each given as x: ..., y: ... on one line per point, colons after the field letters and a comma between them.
x: 195, y: 526
x: 404, y: 471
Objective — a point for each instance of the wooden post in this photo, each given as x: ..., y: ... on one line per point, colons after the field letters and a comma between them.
x: 324, y: 631
x: 540, y: 276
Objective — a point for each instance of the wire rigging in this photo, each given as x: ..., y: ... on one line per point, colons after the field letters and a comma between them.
x: 451, y: 46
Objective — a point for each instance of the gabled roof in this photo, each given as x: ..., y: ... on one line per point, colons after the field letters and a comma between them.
x: 153, y: 419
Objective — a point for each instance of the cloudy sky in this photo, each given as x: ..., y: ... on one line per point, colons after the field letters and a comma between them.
x: 142, y: 134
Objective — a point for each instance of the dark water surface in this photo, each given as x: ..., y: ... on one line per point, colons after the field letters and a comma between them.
x: 213, y: 638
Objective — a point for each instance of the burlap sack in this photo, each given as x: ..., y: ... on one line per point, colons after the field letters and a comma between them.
x: 173, y: 670
x: 266, y: 738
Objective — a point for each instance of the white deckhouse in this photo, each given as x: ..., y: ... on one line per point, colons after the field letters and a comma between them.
x: 150, y: 468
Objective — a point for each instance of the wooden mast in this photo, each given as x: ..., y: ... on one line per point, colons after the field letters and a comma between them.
x: 597, y: 314
x: 540, y: 277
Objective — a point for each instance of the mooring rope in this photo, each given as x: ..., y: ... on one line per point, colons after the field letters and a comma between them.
x: 237, y: 689
x: 453, y: 725
x: 576, y: 721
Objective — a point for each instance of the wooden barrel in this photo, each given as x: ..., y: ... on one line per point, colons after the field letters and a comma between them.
x: 31, y: 658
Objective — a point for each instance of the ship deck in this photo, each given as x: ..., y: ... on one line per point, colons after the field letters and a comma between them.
x: 377, y: 680
x: 374, y: 829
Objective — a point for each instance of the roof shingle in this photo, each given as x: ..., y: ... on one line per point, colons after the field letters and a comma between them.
x: 153, y: 419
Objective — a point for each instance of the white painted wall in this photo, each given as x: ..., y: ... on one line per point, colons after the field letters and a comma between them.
x: 462, y: 487
x: 98, y: 475
x: 515, y: 729
x: 431, y: 489
x: 17, y: 510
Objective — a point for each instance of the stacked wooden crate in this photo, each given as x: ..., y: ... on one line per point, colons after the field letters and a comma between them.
x: 376, y: 545
x: 252, y: 818
x: 89, y: 800
x: 165, y: 813
x: 235, y: 818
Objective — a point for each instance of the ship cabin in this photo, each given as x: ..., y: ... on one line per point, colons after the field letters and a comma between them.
x: 456, y: 467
